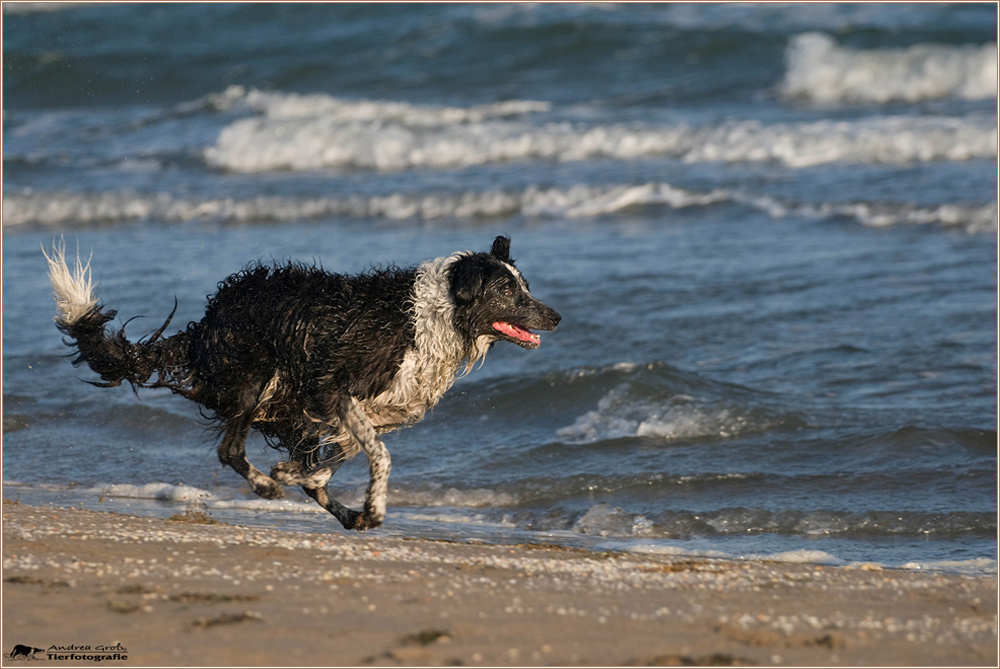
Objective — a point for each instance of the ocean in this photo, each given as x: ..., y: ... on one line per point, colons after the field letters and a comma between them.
x: 771, y: 231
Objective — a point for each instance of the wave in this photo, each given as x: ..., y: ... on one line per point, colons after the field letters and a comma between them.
x: 659, y: 402
x: 620, y: 414
x: 295, y: 133
x: 607, y: 521
x: 164, y: 492
x: 58, y: 208
x: 973, y: 567
x: 603, y: 519
x: 287, y: 106
x: 821, y: 71
x: 34, y: 7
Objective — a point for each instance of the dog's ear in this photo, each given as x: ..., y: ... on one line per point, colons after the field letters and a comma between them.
x: 501, y: 249
x: 466, y: 281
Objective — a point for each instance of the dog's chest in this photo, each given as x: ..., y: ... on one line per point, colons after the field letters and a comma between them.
x: 416, y: 388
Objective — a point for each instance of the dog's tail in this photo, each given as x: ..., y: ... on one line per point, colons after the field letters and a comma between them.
x: 83, y: 320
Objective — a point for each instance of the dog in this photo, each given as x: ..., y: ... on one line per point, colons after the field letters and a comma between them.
x: 319, y: 363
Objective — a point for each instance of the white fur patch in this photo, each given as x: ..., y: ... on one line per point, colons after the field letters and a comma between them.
x: 357, y: 424
x: 517, y: 275
x: 73, y: 290
x: 428, y: 369
x: 290, y: 473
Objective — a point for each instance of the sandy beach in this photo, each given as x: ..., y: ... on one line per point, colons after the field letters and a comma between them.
x: 182, y: 592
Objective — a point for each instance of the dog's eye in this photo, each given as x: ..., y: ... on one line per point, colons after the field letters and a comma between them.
x: 508, y: 292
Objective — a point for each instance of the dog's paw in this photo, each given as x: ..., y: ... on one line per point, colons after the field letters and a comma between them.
x: 368, y: 521
x: 287, y: 473
x: 266, y: 488
x: 349, y: 518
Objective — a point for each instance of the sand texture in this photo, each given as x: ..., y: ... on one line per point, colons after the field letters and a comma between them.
x: 187, y: 593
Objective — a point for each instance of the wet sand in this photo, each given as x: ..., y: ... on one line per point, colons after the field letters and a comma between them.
x: 187, y: 593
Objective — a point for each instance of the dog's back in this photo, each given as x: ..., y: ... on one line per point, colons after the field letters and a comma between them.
x: 308, y: 332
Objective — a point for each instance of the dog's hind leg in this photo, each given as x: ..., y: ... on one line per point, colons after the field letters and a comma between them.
x: 232, y: 452
x: 314, y: 479
x: 360, y: 429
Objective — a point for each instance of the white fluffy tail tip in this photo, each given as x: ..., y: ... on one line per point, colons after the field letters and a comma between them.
x: 73, y: 290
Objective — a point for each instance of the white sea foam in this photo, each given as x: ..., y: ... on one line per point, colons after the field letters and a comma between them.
x: 603, y: 520
x: 619, y: 415
x: 259, y: 504
x: 820, y: 70
x: 663, y: 549
x: 439, y: 497
x: 974, y: 566
x: 161, y: 491
x: 65, y: 209
x: 285, y: 106
x: 803, y: 556
x: 310, y: 132
x: 61, y: 208
x: 474, y: 498
x: 451, y: 518
x: 973, y: 219
x: 167, y: 492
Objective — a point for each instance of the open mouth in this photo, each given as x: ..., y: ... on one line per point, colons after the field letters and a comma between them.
x: 517, y: 334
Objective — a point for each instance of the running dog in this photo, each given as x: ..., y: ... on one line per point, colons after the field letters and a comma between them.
x: 319, y: 363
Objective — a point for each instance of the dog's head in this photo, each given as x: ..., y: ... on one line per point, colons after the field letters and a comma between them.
x: 492, y: 299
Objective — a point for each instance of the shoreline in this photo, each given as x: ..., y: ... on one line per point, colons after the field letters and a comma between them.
x: 187, y: 593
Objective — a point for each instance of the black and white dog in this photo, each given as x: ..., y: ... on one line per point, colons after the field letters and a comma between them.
x: 319, y: 363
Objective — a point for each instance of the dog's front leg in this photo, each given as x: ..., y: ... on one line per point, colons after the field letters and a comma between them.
x: 360, y: 429
x: 349, y: 518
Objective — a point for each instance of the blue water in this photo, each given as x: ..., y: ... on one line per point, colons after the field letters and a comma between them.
x: 771, y: 232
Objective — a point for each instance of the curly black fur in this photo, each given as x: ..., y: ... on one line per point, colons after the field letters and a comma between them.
x: 328, y: 335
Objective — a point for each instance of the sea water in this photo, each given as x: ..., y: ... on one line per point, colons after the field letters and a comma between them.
x: 771, y: 232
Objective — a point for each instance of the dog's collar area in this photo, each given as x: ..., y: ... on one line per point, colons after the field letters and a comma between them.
x: 518, y: 333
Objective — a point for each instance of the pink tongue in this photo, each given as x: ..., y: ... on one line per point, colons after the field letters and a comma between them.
x: 516, y: 332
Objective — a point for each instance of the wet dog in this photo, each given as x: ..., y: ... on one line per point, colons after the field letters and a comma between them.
x: 320, y: 363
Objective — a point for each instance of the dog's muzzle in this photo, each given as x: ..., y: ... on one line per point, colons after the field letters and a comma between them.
x: 538, y: 317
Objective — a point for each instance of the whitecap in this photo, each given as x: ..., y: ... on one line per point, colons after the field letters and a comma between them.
x: 293, y: 132
x: 61, y: 208
x: 619, y: 414
x: 820, y: 70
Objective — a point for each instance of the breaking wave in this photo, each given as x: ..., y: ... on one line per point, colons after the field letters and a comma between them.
x: 622, y: 413
x: 659, y: 402
x: 294, y: 132
x: 580, y: 201
x: 820, y: 70
x: 287, y: 106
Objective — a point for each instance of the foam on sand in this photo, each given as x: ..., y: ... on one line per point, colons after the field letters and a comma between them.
x: 164, y: 492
